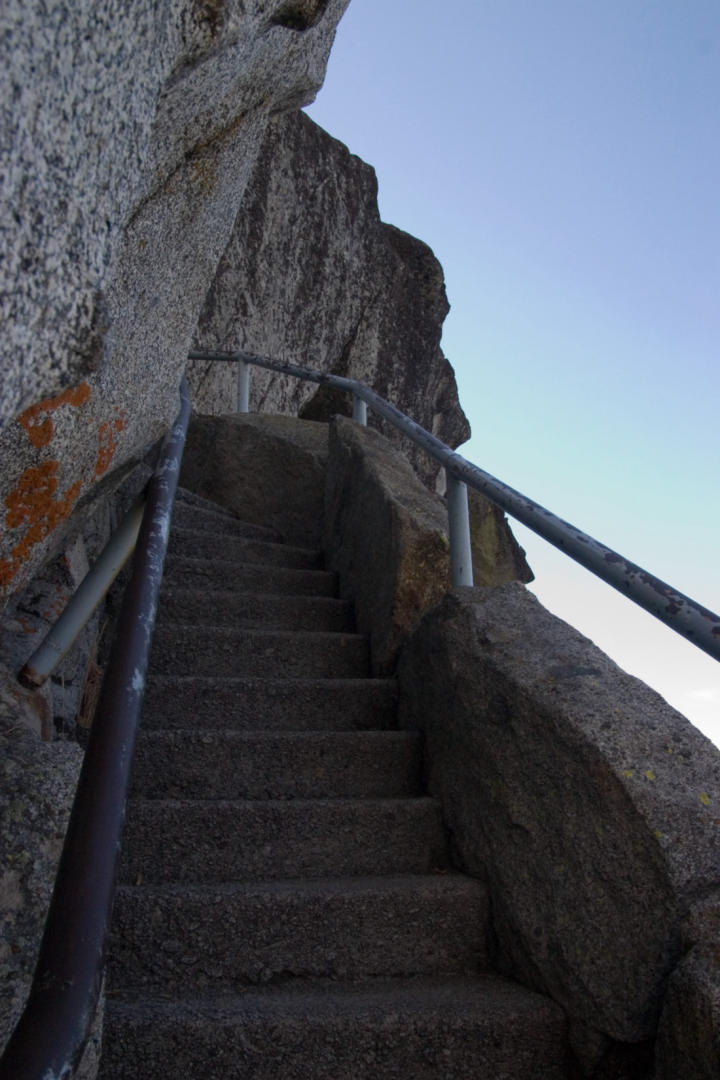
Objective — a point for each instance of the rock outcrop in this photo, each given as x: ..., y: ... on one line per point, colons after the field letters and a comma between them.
x: 590, y: 807
x: 128, y: 133
x: 333, y: 288
x: 128, y: 138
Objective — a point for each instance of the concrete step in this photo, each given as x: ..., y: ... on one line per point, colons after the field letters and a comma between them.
x: 186, y: 841
x: 451, y: 1028
x: 176, y: 939
x: 276, y: 765
x: 246, y: 704
x: 179, y: 647
x: 214, y: 519
x: 205, y: 544
x: 221, y: 608
x: 193, y: 573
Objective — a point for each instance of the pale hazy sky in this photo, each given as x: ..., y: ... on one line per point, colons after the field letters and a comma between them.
x: 562, y: 159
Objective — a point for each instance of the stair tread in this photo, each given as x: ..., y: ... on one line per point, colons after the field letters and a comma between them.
x: 263, y: 633
x: 203, y: 543
x: 234, y: 574
x: 195, y: 840
x: 275, y: 611
x: 481, y: 995
x: 248, y: 594
x: 184, y: 494
x: 280, y: 545
x: 355, y: 927
x: 269, y: 683
x: 295, y: 805
x: 197, y: 561
x: 230, y: 650
x: 214, y: 764
x: 436, y: 884
x: 454, y: 1027
x: 209, y: 734
x: 189, y: 514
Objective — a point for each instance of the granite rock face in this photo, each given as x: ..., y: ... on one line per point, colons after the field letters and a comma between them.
x: 128, y: 137
x: 128, y: 132
x: 334, y: 288
x: 37, y: 782
x: 497, y: 558
x: 385, y: 536
x: 586, y: 802
x: 689, y: 1035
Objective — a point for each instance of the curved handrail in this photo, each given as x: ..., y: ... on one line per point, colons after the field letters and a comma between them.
x: 681, y: 613
x: 51, y: 1034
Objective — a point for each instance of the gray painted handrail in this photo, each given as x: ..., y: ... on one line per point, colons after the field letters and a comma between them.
x: 685, y: 616
x: 50, y: 1035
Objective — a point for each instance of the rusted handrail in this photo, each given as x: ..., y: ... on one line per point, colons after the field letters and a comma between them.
x: 682, y: 614
x: 51, y: 1034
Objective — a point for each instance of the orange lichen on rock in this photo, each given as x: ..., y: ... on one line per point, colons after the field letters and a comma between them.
x: 108, y: 432
x: 33, y: 503
x: 37, y: 420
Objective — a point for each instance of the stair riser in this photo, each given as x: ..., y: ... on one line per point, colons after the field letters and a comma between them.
x: 374, y: 1043
x: 190, y: 842
x: 248, y: 610
x: 190, y: 765
x: 207, y: 545
x: 253, y: 705
x: 225, y: 939
x: 178, y: 650
x: 202, y: 573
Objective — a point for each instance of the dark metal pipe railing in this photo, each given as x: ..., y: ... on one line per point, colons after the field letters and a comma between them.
x: 682, y: 614
x: 50, y: 1036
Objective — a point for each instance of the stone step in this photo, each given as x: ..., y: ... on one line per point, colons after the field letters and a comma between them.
x: 188, y: 498
x: 214, y: 519
x: 188, y: 841
x: 242, y: 610
x: 246, y: 704
x: 193, y: 573
x: 450, y: 1028
x: 276, y: 765
x: 176, y: 939
x: 218, y: 650
x: 194, y: 544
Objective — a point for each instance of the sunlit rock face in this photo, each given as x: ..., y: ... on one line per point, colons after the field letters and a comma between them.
x: 313, y: 277
x: 129, y: 132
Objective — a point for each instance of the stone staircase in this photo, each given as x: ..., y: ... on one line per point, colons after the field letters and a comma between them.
x: 286, y: 906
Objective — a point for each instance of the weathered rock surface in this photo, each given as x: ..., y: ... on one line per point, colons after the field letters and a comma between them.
x: 37, y: 782
x: 334, y: 288
x: 689, y: 1036
x: 385, y: 535
x: 128, y: 137
x: 497, y: 558
x: 586, y: 802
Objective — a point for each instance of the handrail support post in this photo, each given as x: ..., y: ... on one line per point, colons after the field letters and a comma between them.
x: 243, y: 387
x: 459, y: 526
x: 359, y: 410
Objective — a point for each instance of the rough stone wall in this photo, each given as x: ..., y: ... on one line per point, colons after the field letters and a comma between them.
x: 129, y: 132
x: 591, y: 808
x: 312, y: 276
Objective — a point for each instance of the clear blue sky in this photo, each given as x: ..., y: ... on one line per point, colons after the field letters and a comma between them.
x: 562, y: 158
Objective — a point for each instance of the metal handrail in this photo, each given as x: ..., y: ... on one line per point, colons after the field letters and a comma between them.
x: 51, y: 1034
x: 682, y: 614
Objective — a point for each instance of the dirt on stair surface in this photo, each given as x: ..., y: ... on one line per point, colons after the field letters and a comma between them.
x: 286, y: 906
